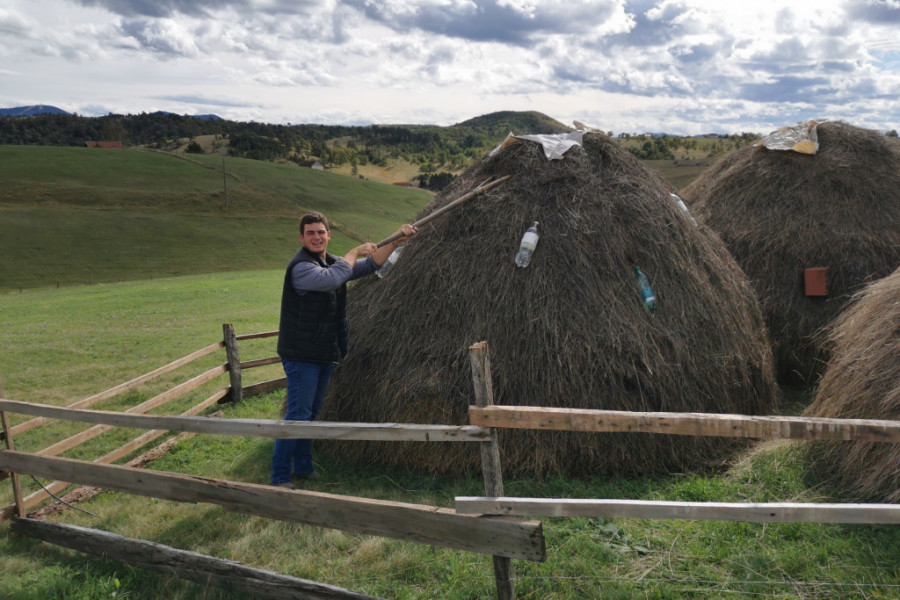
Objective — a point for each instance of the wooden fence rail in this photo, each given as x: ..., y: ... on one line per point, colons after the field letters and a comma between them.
x: 122, y: 387
x: 398, y: 432
x: 499, y: 536
x: 255, y: 583
x: 748, y: 512
x: 670, y: 423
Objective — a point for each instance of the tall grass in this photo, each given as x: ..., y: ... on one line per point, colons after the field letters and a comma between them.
x: 57, y: 346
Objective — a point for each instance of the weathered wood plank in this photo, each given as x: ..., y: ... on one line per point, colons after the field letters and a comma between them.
x: 702, y: 424
x: 39, y: 496
x: 775, y: 512
x: 256, y: 583
x: 480, y: 363
x: 265, y: 387
x: 256, y: 427
x: 253, y: 336
x: 424, y: 524
x: 260, y: 362
x: 122, y: 387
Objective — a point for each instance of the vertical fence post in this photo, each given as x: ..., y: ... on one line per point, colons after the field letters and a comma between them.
x: 490, y: 458
x: 10, y: 445
x: 234, y: 362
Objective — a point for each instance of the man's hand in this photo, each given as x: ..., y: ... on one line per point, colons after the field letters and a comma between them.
x: 359, y: 252
x: 407, y: 231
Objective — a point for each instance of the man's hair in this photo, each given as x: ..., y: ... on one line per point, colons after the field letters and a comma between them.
x: 313, y: 217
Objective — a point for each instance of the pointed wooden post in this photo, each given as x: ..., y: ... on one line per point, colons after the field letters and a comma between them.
x: 234, y: 362
x: 490, y: 458
x: 10, y: 445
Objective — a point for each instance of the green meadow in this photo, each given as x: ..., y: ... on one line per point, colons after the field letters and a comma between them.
x: 87, y: 215
x: 171, y: 274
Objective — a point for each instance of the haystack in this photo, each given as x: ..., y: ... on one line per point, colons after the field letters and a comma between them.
x: 780, y: 213
x: 569, y: 330
x: 862, y: 381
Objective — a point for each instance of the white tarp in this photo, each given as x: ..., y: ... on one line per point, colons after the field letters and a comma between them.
x: 555, y: 144
x: 801, y: 138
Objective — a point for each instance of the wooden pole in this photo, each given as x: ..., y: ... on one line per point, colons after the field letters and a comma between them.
x: 490, y: 458
x: 481, y: 188
x: 253, y: 583
x: 10, y: 445
x: 399, y: 520
x: 234, y: 362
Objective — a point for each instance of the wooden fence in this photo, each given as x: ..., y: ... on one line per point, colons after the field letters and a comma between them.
x: 502, y: 537
x: 464, y: 528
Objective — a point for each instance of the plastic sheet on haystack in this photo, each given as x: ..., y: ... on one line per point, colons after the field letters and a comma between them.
x: 800, y: 138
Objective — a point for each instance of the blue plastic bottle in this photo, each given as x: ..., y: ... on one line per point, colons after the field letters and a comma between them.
x: 647, y: 294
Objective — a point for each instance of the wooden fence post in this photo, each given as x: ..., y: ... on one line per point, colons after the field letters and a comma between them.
x: 10, y: 445
x: 490, y: 458
x: 234, y: 362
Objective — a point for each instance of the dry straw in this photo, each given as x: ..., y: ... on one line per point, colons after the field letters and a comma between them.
x: 569, y: 330
x: 862, y: 381
x: 780, y: 213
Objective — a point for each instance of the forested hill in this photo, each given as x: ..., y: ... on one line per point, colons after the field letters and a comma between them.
x: 451, y: 148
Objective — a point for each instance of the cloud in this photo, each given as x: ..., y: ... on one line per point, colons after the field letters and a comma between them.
x: 157, y: 8
x: 161, y: 36
x: 206, y: 101
x: 881, y: 12
x: 506, y: 21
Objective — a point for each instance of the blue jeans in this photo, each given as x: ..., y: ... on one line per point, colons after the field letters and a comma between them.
x: 306, y: 386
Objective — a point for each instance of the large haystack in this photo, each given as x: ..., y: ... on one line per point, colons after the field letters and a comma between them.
x: 569, y: 330
x: 862, y: 381
x: 780, y: 212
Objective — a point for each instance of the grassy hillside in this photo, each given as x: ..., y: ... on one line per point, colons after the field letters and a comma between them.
x: 77, y: 215
x: 57, y: 346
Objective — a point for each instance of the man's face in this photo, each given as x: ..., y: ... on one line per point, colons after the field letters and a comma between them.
x: 315, y: 237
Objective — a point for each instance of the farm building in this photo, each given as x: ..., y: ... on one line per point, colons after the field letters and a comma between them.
x: 568, y: 330
x: 862, y: 381
x: 808, y: 229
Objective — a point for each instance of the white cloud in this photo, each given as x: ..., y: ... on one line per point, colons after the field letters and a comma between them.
x: 675, y: 65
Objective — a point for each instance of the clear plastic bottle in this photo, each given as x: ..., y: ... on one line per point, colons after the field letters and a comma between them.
x: 647, y: 294
x: 529, y: 243
x: 677, y: 199
x: 384, y: 269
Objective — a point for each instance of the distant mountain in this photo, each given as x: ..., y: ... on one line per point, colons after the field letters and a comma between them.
x: 201, y: 117
x: 520, y: 123
x: 31, y: 111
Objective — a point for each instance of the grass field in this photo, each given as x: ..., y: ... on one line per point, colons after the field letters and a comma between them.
x: 82, y: 215
x: 150, y: 263
x: 57, y: 346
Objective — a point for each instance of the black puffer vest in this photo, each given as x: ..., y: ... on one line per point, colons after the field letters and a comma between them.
x: 314, y: 326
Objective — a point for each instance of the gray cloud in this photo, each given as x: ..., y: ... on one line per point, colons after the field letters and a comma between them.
x: 490, y: 20
x: 874, y: 11
x: 205, y: 101
x: 787, y: 89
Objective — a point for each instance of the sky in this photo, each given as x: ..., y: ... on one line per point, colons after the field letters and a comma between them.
x: 677, y: 66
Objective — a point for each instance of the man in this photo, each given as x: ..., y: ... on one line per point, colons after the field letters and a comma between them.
x: 313, y: 333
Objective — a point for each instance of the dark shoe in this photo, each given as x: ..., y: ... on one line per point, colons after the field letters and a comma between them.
x: 314, y: 476
x: 288, y: 485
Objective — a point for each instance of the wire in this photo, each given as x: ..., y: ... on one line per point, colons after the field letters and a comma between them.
x: 58, y: 499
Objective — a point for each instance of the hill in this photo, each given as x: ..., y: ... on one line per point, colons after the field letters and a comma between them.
x: 31, y: 111
x: 523, y: 123
x: 82, y: 215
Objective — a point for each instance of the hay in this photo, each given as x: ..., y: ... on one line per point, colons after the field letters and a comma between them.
x: 782, y: 212
x: 569, y: 330
x: 862, y: 381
